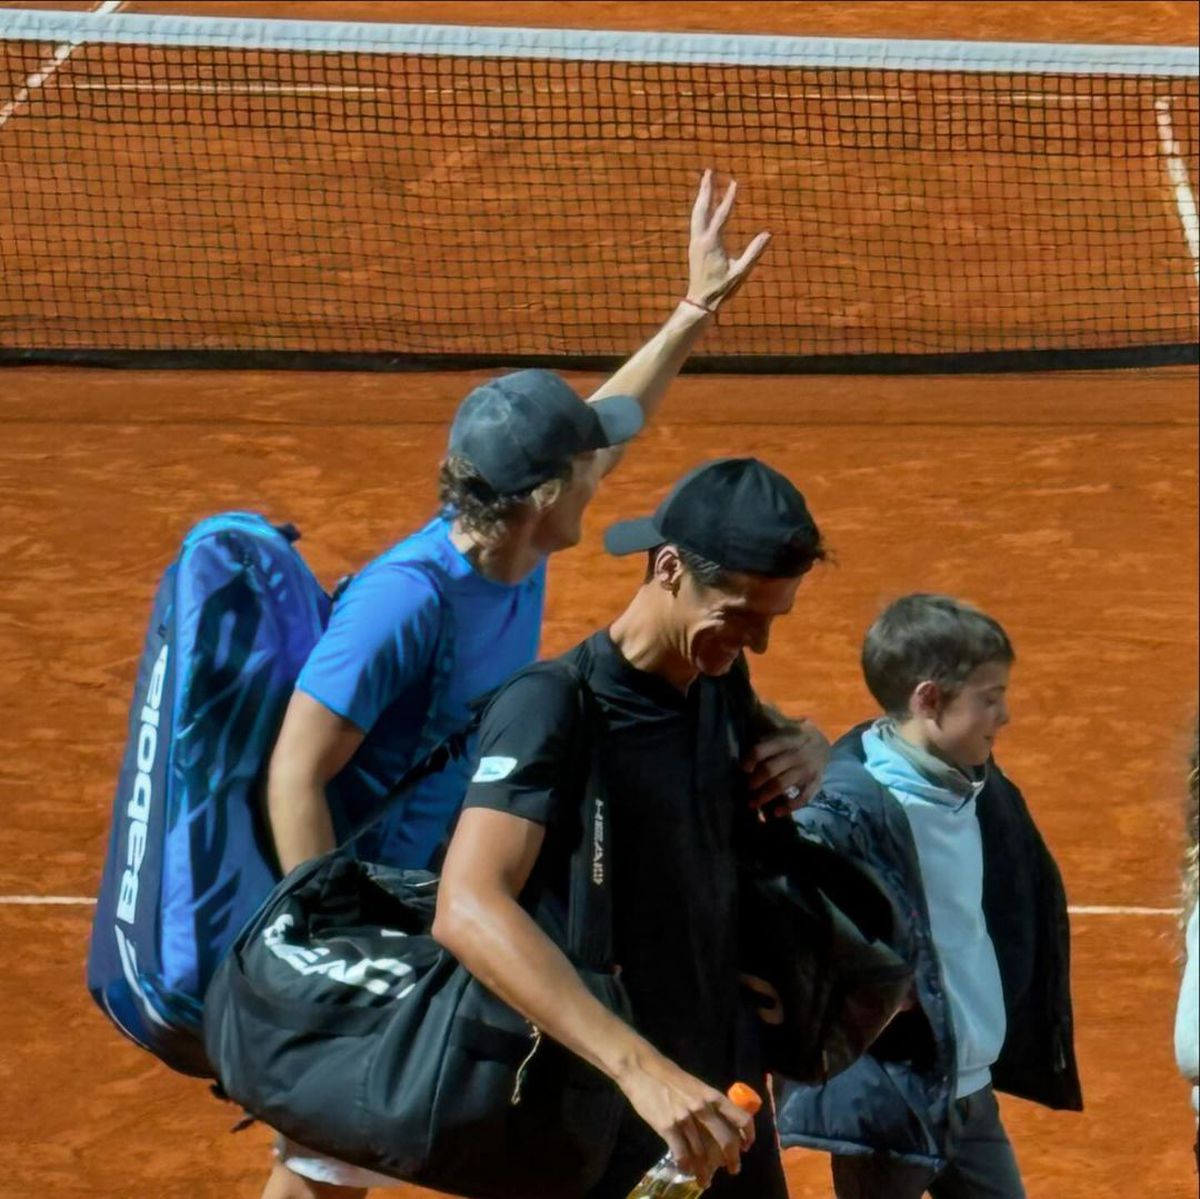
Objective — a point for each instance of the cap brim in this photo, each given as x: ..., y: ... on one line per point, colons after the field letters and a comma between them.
x: 620, y: 417
x: 632, y: 536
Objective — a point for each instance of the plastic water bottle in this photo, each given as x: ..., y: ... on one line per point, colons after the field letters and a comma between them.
x: 665, y: 1180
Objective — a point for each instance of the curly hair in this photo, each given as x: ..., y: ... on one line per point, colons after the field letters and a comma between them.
x: 464, y: 495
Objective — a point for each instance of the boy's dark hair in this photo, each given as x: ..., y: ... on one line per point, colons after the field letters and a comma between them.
x: 463, y: 494
x: 934, y: 637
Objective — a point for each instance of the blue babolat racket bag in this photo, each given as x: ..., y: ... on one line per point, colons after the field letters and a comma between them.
x: 189, y: 857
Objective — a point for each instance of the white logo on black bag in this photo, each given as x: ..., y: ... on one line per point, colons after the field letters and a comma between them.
x: 380, y: 976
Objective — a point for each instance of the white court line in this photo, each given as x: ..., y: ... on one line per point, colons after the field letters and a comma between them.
x: 46, y: 71
x: 1185, y: 198
x: 84, y: 901
x: 1104, y: 910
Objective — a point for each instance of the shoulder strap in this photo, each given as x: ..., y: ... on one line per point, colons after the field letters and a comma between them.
x: 589, y: 914
x: 431, y: 753
x: 442, y: 658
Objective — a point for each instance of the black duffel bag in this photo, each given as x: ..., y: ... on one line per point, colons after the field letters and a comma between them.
x: 340, y: 1022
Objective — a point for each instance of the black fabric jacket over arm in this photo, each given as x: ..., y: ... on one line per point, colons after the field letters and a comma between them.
x: 898, y: 1098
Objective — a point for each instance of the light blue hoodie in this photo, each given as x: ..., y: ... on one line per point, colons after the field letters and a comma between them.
x: 939, y: 802
x: 1187, y: 1013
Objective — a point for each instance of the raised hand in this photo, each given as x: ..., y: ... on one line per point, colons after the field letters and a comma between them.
x: 712, y: 276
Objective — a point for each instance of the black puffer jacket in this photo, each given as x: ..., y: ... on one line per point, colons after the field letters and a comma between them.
x: 897, y: 1098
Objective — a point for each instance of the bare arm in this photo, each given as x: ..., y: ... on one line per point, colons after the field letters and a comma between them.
x: 314, y: 744
x: 712, y: 279
x: 480, y: 921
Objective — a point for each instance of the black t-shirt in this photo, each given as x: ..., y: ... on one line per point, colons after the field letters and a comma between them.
x: 675, y: 793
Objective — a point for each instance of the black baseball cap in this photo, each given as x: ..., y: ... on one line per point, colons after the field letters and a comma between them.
x: 519, y: 430
x: 737, y: 513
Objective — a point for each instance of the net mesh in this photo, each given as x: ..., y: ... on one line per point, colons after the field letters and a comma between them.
x: 515, y: 199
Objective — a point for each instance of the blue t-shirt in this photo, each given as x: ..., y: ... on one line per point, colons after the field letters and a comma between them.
x: 375, y: 666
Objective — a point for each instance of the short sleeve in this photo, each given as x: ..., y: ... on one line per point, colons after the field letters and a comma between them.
x: 528, y: 748
x: 379, y: 644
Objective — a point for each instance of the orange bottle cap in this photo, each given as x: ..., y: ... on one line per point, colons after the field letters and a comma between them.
x: 746, y: 1097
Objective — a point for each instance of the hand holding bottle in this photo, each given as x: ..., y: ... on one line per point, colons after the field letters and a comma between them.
x: 671, y: 1178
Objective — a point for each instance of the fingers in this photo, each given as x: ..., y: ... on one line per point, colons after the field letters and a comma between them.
x: 692, y: 1157
x: 784, y: 767
x: 716, y: 1136
x: 783, y: 795
x: 791, y: 768
x: 776, y: 746
x: 700, y: 209
x: 741, y: 1121
x: 723, y: 209
x: 724, y: 1135
x: 705, y: 222
x: 753, y: 252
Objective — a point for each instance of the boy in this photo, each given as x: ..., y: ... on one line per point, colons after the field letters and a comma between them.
x: 916, y: 798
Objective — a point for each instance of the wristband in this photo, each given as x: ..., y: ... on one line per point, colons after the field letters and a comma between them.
x: 703, y: 307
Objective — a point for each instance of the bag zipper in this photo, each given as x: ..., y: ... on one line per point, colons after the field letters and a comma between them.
x: 519, y: 1081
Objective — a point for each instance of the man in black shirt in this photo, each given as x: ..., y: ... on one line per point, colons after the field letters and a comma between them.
x: 686, y: 752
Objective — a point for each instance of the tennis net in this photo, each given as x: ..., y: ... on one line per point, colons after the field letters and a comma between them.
x: 197, y: 191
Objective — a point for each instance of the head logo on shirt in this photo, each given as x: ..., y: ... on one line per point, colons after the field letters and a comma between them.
x: 492, y: 770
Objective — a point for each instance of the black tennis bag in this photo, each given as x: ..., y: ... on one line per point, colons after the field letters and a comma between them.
x: 340, y: 1022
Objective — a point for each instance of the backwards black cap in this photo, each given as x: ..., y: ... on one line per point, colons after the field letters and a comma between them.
x: 737, y: 513
x: 519, y: 430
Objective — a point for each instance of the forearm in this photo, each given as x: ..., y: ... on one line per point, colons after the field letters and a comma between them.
x: 500, y: 944
x: 647, y: 375
x: 301, y: 825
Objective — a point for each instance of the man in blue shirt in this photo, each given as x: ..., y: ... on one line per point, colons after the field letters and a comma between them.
x: 451, y: 612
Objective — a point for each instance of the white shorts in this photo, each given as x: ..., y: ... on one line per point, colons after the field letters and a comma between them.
x: 308, y: 1163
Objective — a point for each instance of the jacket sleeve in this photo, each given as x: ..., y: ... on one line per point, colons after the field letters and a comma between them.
x: 1026, y: 909
x: 831, y: 821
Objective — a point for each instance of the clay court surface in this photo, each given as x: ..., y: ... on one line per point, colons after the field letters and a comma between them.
x: 1066, y: 504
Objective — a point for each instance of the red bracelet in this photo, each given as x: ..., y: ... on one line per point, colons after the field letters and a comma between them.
x: 703, y: 307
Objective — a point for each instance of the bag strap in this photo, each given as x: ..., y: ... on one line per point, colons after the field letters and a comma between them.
x: 589, y: 914
x: 432, y: 754
x: 435, y: 761
x: 590, y: 903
